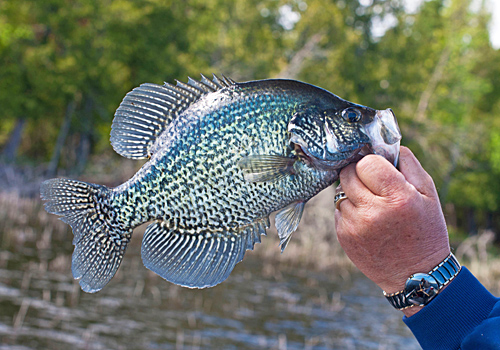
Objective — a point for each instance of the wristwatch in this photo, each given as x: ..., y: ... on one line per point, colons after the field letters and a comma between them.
x: 421, y: 288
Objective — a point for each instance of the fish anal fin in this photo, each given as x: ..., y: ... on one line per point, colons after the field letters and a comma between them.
x: 263, y: 168
x: 196, y: 260
x: 148, y: 110
x: 287, y: 220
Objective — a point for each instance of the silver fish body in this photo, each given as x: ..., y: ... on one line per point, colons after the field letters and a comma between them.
x: 222, y: 156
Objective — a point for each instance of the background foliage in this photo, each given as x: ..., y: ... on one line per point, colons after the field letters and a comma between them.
x: 65, y: 66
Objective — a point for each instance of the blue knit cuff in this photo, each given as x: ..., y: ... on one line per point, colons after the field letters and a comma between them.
x: 453, y: 314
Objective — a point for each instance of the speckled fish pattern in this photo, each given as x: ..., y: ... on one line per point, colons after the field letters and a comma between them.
x: 220, y: 160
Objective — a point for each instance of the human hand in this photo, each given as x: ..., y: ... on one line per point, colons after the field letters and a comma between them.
x: 391, y: 225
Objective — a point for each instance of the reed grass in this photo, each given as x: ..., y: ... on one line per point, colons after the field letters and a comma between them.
x: 23, y: 220
x: 314, y: 246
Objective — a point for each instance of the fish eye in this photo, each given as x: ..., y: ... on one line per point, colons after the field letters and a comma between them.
x: 351, y: 114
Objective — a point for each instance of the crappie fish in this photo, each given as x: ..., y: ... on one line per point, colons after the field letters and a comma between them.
x: 222, y: 157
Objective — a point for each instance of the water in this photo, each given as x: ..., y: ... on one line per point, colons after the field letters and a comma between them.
x: 263, y: 305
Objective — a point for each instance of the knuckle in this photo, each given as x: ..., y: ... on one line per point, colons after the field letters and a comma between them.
x: 406, y: 204
x: 371, y: 218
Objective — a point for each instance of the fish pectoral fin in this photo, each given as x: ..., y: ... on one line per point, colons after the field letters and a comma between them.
x: 262, y: 168
x: 287, y: 220
x: 197, y: 260
x: 148, y: 110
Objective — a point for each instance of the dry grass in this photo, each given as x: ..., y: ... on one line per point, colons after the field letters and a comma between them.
x: 24, y: 222
x: 314, y: 245
x: 474, y: 253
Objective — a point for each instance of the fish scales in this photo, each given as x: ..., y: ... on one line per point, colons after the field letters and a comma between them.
x: 222, y: 156
x: 196, y: 152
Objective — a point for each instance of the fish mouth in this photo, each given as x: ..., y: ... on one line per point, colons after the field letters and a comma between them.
x: 385, y: 136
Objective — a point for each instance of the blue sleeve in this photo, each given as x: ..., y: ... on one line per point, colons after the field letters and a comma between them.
x: 465, y: 315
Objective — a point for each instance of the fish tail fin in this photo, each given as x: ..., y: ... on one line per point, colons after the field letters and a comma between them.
x: 100, y: 240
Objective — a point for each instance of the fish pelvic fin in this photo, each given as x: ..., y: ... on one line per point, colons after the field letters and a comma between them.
x: 287, y: 220
x: 100, y: 240
x: 266, y: 168
x: 148, y: 110
x: 199, y: 260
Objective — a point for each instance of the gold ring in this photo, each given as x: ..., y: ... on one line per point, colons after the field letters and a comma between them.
x: 339, y: 197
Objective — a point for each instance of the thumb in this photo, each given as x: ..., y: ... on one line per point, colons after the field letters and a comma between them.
x: 414, y: 173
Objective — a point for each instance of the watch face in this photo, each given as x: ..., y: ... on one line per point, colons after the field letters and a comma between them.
x: 420, y: 289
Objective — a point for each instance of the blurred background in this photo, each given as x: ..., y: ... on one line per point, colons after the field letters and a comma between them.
x: 65, y: 67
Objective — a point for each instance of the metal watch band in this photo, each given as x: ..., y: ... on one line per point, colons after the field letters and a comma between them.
x: 421, y: 288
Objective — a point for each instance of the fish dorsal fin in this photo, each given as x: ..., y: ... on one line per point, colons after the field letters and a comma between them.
x: 147, y: 110
x: 197, y: 260
x: 287, y: 220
